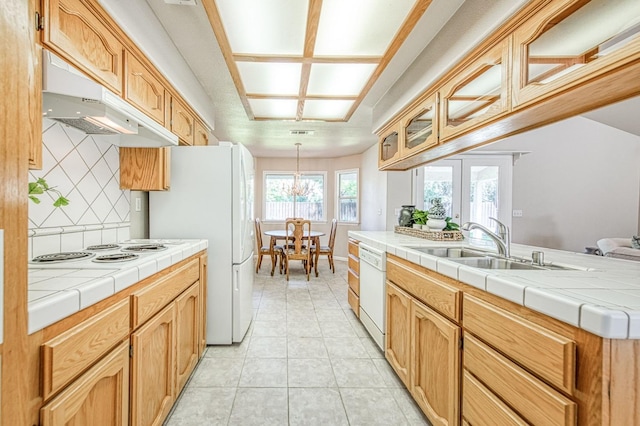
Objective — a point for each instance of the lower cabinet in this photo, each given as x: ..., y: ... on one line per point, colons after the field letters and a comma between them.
x: 423, y: 348
x: 398, y: 333
x: 152, y: 368
x: 98, y: 397
x: 187, y: 334
x: 353, y: 276
x: 435, y: 364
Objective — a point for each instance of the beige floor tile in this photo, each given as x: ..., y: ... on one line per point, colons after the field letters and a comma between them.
x: 236, y: 350
x: 306, y: 347
x: 267, y: 347
x: 203, y: 406
x: 408, y: 406
x: 260, y: 407
x: 303, y: 328
x: 217, y: 372
x: 319, y: 406
x: 372, y: 407
x: 310, y: 373
x: 264, y: 373
x: 345, y: 347
x: 357, y: 373
x: 276, y: 328
x: 337, y: 329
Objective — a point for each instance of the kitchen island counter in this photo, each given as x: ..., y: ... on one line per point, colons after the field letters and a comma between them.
x: 598, y: 294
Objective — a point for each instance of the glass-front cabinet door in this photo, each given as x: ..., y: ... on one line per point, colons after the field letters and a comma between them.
x: 388, y: 148
x: 477, y: 94
x: 569, y: 42
x: 419, y: 127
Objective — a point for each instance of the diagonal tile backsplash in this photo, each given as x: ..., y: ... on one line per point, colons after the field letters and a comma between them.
x: 84, y: 170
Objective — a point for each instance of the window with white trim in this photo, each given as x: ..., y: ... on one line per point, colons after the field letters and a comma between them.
x: 347, y: 190
x: 280, y: 202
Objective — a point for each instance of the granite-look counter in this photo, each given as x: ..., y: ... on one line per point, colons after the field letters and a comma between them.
x: 601, y: 295
x: 59, y: 290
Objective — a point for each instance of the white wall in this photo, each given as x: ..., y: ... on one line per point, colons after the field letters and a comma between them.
x: 580, y: 183
x: 373, y: 192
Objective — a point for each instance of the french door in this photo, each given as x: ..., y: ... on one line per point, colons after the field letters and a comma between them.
x: 472, y: 188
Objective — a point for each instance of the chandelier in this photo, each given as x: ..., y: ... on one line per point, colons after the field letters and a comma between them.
x: 298, y: 188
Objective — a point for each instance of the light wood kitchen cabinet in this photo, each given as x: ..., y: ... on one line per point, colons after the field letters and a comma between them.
x: 100, y: 397
x: 203, y: 304
x: 420, y: 127
x: 77, y: 34
x: 201, y: 137
x: 70, y: 353
x: 398, y: 332
x: 187, y: 334
x: 182, y: 122
x: 435, y: 365
x: 35, y: 97
x: 479, y: 93
x: 143, y: 89
x: 353, y: 277
x: 145, y: 169
x: 568, y: 42
x: 389, y: 148
x: 480, y: 407
x: 153, y: 369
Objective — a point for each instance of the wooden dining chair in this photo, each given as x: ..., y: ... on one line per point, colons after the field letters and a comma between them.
x: 297, y: 244
x: 266, y: 250
x: 328, y: 249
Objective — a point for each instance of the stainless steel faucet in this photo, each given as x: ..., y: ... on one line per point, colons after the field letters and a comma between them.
x: 501, y: 237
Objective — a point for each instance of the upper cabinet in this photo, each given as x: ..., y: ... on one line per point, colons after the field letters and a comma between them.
x: 201, y: 136
x: 570, y: 41
x: 419, y: 128
x: 144, y: 90
x: 480, y: 92
x: 182, y: 122
x: 73, y: 31
x: 388, y: 148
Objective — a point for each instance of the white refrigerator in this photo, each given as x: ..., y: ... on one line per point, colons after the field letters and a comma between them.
x: 211, y: 197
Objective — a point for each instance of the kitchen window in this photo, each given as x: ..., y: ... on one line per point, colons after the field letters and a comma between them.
x: 285, y: 196
x: 347, y: 194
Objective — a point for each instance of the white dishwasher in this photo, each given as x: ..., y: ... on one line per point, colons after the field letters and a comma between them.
x: 373, y: 265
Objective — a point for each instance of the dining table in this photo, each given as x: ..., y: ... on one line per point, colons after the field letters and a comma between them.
x: 281, y: 234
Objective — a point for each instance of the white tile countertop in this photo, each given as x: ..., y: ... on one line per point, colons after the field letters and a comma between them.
x: 59, y: 290
x: 601, y: 295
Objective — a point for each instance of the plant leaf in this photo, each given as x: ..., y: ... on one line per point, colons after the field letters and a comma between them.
x: 34, y: 199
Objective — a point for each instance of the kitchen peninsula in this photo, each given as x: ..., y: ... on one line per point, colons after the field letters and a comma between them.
x: 555, y: 346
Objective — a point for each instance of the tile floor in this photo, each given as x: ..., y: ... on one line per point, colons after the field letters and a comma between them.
x: 306, y: 360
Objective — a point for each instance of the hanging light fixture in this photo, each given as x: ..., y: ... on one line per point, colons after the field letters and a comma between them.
x: 299, y: 188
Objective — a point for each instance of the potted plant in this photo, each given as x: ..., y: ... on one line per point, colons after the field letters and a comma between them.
x: 451, y: 226
x: 420, y: 218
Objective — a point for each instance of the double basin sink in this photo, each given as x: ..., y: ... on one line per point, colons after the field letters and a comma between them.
x: 482, y: 259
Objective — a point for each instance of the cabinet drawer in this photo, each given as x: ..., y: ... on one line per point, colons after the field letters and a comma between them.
x: 354, y: 283
x: 545, y: 353
x: 480, y: 407
x: 537, y: 402
x: 146, y: 302
x: 353, y: 248
x: 354, y: 302
x: 354, y: 264
x: 428, y: 287
x: 67, y: 355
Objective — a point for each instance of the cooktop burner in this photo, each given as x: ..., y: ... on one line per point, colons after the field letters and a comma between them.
x: 115, y: 257
x: 101, y: 247
x: 146, y: 247
x: 62, y: 257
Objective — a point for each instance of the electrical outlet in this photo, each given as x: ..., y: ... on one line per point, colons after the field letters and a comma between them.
x: 138, y: 204
x: 396, y: 212
x: 517, y: 213
x: 380, y: 212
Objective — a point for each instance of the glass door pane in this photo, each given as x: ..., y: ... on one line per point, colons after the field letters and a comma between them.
x: 442, y: 180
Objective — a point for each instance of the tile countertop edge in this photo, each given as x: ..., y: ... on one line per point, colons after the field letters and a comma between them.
x: 608, y: 322
x: 52, y: 308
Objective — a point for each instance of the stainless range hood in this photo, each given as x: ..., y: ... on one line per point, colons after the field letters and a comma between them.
x: 73, y: 99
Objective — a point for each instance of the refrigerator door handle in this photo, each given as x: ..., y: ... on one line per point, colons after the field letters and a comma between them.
x: 237, y: 280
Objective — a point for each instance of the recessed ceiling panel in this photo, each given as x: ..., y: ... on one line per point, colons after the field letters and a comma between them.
x: 270, y: 78
x: 359, y: 27
x: 326, y: 109
x: 274, y: 108
x: 265, y: 27
x: 339, y: 79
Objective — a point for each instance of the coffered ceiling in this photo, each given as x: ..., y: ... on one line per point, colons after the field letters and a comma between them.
x: 309, y: 60
x: 345, y: 55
